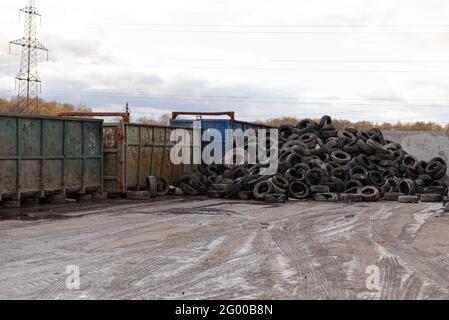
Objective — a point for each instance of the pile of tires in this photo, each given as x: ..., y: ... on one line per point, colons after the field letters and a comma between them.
x: 319, y: 162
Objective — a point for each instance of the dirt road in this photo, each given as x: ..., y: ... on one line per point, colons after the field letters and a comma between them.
x: 217, y: 249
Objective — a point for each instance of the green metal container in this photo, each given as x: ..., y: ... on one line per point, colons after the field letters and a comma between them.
x: 49, y: 155
x: 132, y: 152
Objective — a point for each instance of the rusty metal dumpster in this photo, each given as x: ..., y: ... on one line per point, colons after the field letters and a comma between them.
x: 49, y: 155
x: 132, y: 152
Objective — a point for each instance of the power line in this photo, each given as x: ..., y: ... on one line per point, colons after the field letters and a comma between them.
x: 232, y: 98
x: 281, y: 32
x: 347, y: 60
x: 272, y: 69
x: 228, y: 99
x: 278, y: 25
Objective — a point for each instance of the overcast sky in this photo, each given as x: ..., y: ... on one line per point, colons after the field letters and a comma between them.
x: 380, y: 60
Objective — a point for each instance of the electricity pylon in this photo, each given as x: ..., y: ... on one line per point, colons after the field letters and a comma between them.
x: 27, y: 80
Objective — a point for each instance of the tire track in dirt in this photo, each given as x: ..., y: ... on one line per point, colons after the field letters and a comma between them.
x: 284, y: 236
x: 412, y: 287
x: 439, y: 276
x: 330, y: 272
x: 390, y: 278
x: 319, y: 274
x: 200, y: 276
x: 200, y: 268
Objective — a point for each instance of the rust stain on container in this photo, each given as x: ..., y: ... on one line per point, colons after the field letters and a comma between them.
x: 132, y: 152
x: 44, y: 155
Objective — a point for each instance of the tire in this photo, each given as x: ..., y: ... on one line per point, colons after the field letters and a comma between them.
x: 389, y: 163
x: 262, y: 188
x: 370, y: 194
x: 345, y: 135
x: 376, y: 178
x: 378, y: 149
x: 326, y: 197
x: 294, y: 175
x: 351, y: 197
x: 364, y: 161
x: 314, y: 177
x: 436, y: 169
x: 360, y: 177
x: 293, y: 159
x: 407, y: 187
x: 285, y: 131
x: 212, y: 170
x: 408, y: 199
x: 319, y: 189
x: 340, y: 157
x: 305, y: 126
x: 358, y: 170
x: 151, y: 183
x: 392, y: 196
x: 328, y: 134
x: 275, y: 198
x: 280, y: 182
x: 429, y: 197
x: 276, y: 189
x: 188, y: 190
x: 298, y: 190
x: 353, y: 184
x: 434, y: 190
x: 325, y: 121
x: 394, y: 184
x: 162, y: 186
x: 385, y: 188
x: 339, y: 184
x: 410, y: 162
x: 220, y: 186
x: 364, y: 147
x: 198, y: 186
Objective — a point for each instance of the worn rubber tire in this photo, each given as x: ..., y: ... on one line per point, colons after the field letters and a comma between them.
x: 298, y: 190
x: 407, y: 187
x: 151, y: 184
x: 262, y: 188
x: 370, y: 194
x: 188, y: 190
x: 319, y: 189
x: 326, y: 197
x: 408, y: 199
x: 351, y: 197
x: 429, y: 197
x: 392, y: 196
x: 275, y: 198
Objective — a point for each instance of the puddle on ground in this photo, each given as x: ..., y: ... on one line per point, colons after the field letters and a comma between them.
x: 26, y: 215
x: 201, y: 210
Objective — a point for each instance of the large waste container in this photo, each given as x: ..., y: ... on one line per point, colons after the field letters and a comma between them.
x: 208, y: 123
x: 132, y: 152
x: 48, y: 155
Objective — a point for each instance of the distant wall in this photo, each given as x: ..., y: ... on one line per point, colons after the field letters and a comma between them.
x: 423, y: 145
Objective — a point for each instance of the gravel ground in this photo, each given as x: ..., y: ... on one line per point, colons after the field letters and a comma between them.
x: 216, y: 249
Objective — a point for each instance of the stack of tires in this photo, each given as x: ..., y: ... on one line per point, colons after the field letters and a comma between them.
x: 317, y: 161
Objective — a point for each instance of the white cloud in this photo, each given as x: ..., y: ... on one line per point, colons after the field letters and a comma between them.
x: 164, y: 56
